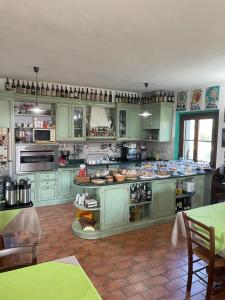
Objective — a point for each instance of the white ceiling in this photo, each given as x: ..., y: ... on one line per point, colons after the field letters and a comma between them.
x: 117, y: 44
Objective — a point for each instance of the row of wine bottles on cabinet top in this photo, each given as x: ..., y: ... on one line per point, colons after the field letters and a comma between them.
x: 56, y: 90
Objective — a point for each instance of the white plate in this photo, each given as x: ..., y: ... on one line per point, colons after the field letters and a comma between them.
x: 146, y: 177
x: 162, y: 176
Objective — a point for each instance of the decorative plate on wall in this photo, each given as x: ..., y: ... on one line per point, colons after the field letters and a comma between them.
x: 182, y: 100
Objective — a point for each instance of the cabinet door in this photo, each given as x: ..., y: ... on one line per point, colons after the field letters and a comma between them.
x: 66, y: 183
x: 78, y: 121
x: 47, y: 194
x: 153, y: 121
x: 5, y: 113
x: 114, y: 210
x: 164, y: 198
x: 134, y: 124
x: 122, y: 123
x: 64, y: 122
x: 207, y: 189
x: 198, y: 199
x: 166, y: 123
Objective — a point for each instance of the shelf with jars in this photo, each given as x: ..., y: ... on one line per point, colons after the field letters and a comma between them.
x: 26, y: 122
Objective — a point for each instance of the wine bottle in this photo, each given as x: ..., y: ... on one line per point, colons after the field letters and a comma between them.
x: 13, y: 86
x: 38, y: 90
x: 87, y: 95
x: 62, y: 92
x: 23, y: 88
x: 71, y: 93
x: 105, y: 96
x: 125, y: 98
x: 116, y: 98
x: 43, y: 91
x: 83, y: 97
x: 91, y: 95
x: 53, y: 91
x: 119, y: 98
x: 122, y: 98
x: 7, y: 85
x: 101, y: 96
x: 128, y: 99
x: 66, y: 92
x: 96, y: 96
x: 18, y: 87
x: 75, y: 93
x: 57, y: 91
x: 110, y: 96
x: 32, y: 89
x: 28, y: 88
x: 79, y: 94
x: 48, y: 91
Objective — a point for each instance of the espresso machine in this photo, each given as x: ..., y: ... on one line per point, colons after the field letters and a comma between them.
x: 129, y: 152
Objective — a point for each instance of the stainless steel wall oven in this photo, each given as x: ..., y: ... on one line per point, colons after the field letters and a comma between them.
x: 31, y: 158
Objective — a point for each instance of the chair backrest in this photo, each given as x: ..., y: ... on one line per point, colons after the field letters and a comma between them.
x: 200, y: 235
x: 31, y: 249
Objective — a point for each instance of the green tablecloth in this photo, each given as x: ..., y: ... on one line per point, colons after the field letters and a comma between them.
x: 7, y: 216
x: 212, y: 215
x: 46, y: 281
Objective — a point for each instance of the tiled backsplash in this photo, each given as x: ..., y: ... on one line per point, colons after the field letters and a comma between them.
x: 82, y: 150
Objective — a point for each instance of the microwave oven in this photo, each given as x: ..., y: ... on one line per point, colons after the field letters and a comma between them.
x: 43, y: 135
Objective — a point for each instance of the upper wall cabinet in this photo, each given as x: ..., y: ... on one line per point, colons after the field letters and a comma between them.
x: 129, y: 122
x: 5, y: 110
x: 70, y: 122
x: 158, y: 126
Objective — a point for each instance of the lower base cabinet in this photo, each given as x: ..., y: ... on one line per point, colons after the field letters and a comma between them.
x: 164, y: 195
x: 51, y: 187
x: 115, y: 207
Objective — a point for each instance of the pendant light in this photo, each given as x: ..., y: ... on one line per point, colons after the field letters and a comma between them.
x: 36, y: 109
x: 145, y: 113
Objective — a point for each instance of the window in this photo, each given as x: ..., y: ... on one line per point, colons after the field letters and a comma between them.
x: 198, y: 137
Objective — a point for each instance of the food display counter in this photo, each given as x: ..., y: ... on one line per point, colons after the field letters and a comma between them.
x: 136, y: 202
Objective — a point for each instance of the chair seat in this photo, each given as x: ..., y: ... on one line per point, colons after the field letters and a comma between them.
x: 219, y: 261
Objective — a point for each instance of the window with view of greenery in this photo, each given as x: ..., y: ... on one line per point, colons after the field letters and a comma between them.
x: 198, y: 137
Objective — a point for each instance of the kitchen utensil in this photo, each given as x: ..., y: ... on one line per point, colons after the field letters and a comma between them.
x: 11, y: 192
x: 24, y: 191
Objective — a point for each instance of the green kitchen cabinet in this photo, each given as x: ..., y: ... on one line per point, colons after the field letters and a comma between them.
x: 114, y: 211
x: 70, y: 122
x: 159, y: 124
x: 129, y: 123
x: 198, y: 198
x: 164, y: 193
x: 66, y: 183
x: 5, y: 110
x: 207, y: 189
x: 47, y: 186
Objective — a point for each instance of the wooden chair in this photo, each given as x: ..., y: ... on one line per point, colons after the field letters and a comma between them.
x: 201, y: 243
x: 31, y: 249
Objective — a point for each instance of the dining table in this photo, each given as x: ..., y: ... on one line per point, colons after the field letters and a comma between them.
x: 210, y: 215
x: 61, y: 279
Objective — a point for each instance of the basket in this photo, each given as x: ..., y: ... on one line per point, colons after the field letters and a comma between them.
x: 119, y: 178
x: 85, y: 179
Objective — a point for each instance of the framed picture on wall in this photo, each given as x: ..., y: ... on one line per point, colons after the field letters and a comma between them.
x: 181, y: 101
x: 196, y: 99
x: 212, y: 97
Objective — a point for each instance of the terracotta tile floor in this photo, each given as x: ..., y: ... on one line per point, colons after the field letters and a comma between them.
x: 141, y: 264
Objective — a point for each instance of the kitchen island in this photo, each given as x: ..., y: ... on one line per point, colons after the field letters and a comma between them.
x: 116, y: 213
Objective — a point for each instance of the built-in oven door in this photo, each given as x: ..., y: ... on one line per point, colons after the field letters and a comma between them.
x: 31, y: 161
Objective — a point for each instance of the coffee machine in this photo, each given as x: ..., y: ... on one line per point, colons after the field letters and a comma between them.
x: 129, y: 152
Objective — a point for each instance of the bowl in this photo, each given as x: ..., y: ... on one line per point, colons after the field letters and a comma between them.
x: 119, y: 177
